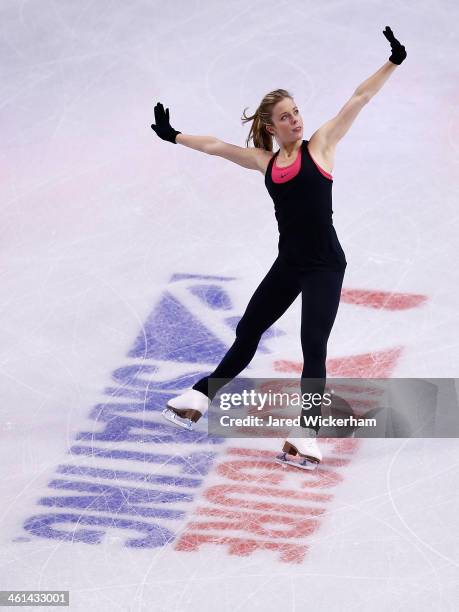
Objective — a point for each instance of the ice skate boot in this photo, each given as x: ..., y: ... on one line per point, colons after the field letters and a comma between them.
x: 185, y: 409
x: 302, y: 441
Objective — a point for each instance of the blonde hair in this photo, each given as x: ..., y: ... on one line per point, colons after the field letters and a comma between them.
x: 260, y: 136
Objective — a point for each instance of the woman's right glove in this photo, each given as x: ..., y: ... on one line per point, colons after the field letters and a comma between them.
x: 162, y: 127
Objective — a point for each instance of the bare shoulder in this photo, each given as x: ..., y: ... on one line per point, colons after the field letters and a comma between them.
x: 264, y: 157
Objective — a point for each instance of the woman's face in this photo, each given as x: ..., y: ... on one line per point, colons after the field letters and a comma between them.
x: 287, y: 124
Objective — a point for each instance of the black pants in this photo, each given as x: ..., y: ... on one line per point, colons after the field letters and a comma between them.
x: 320, y: 293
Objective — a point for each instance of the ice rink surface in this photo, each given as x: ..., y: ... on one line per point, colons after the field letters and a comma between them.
x: 126, y: 262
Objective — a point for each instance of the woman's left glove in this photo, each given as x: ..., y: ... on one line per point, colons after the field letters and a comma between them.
x: 398, y: 50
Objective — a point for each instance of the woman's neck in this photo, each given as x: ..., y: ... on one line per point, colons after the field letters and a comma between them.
x: 290, y: 150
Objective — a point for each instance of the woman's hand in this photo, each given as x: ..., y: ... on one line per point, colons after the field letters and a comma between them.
x: 398, y: 50
x: 163, y: 128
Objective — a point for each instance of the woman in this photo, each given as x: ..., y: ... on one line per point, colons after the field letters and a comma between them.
x: 310, y: 259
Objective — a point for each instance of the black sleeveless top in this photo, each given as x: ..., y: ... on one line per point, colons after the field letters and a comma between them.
x: 303, y: 209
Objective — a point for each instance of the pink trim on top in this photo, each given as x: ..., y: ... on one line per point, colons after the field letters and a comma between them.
x: 282, y: 174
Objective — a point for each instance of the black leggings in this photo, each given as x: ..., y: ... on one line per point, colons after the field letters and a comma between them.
x: 320, y: 293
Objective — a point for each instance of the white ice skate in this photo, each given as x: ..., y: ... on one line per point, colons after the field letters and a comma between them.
x: 185, y: 409
x: 301, y: 441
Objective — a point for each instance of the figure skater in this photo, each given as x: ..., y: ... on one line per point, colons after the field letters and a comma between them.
x: 310, y: 258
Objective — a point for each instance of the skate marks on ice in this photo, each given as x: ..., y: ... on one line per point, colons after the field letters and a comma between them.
x: 129, y: 470
x: 252, y: 507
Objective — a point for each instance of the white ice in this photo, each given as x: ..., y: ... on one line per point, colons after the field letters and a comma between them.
x: 97, y: 214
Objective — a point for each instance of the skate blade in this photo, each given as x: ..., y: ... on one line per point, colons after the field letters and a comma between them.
x: 302, y: 464
x: 171, y: 416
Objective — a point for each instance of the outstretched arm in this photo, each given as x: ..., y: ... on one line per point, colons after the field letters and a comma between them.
x: 199, y: 143
x: 329, y: 134
x: 250, y: 157
x: 332, y: 131
x: 247, y: 157
x: 374, y: 83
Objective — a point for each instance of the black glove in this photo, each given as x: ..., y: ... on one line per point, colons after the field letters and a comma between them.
x: 163, y: 128
x: 398, y: 50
